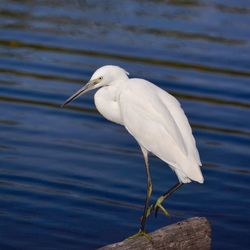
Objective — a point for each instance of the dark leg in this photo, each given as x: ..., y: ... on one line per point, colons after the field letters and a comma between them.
x: 149, y: 192
x: 162, y: 198
x: 158, y: 204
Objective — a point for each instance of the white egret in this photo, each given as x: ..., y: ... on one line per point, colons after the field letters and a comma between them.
x: 154, y: 118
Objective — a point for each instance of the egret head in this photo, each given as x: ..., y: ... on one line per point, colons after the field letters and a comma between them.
x: 104, y: 76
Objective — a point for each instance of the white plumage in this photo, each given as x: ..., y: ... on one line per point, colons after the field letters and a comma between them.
x: 154, y: 118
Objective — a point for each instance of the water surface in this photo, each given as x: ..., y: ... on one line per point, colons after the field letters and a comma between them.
x: 69, y: 179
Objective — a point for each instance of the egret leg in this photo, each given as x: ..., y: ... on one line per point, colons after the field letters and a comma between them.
x: 158, y: 203
x: 149, y: 192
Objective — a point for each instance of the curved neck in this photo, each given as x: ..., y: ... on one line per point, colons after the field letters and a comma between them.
x: 107, y: 102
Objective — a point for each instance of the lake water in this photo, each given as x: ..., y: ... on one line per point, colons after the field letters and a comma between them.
x: 69, y: 179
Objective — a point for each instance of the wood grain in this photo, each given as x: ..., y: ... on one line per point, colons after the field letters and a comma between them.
x: 191, y: 234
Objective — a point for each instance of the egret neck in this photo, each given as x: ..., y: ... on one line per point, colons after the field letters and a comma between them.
x: 108, y: 96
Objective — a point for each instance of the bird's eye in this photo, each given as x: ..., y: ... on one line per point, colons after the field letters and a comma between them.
x: 100, y: 78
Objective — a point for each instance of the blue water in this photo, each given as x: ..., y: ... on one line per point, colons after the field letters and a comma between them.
x: 69, y: 179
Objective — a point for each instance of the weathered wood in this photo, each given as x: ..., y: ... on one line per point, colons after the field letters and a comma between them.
x: 191, y: 234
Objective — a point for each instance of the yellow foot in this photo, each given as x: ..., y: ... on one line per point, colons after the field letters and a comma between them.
x: 158, y: 205
x: 139, y: 234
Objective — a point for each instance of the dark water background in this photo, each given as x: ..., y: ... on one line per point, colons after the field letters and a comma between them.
x: 69, y: 179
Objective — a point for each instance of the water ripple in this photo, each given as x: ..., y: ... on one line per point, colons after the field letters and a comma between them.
x: 69, y: 179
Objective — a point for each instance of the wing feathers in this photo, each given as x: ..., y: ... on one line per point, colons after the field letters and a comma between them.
x: 158, y: 123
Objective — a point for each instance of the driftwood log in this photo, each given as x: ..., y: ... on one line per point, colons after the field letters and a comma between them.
x: 191, y: 234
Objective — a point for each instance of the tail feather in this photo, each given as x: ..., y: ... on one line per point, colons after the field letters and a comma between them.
x: 189, y: 172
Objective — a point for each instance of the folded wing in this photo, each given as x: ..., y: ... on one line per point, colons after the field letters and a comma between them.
x: 159, y: 124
